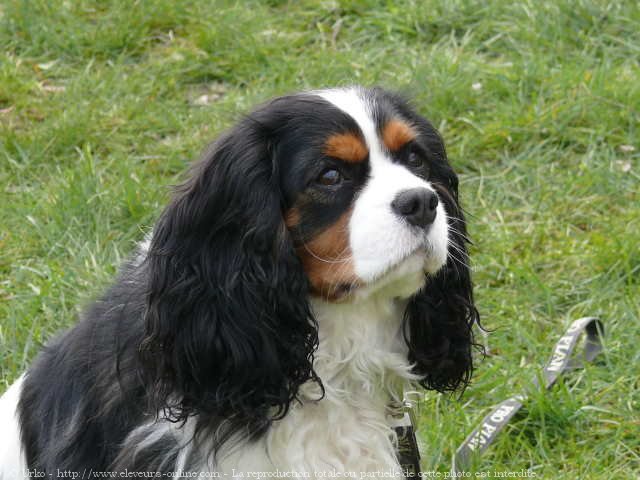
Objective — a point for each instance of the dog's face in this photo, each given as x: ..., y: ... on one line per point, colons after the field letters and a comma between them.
x: 337, y: 194
x: 359, y: 173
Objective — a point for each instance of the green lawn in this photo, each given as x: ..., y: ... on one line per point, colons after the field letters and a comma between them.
x: 103, y: 103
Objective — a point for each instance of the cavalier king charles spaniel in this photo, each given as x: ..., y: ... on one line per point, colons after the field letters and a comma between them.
x: 312, y: 267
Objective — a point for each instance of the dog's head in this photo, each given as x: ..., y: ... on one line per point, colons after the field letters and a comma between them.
x: 336, y: 194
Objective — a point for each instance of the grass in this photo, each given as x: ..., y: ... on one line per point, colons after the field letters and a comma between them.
x: 102, y: 104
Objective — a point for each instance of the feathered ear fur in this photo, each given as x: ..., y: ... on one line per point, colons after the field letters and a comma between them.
x: 229, y: 333
x: 440, y: 317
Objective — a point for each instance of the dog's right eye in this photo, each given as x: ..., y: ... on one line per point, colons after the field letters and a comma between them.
x: 329, y: 177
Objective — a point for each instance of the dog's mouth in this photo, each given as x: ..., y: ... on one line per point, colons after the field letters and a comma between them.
x: 400, y: 279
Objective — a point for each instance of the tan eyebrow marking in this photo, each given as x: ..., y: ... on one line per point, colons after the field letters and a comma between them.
x: 348, y: 147
x: 396, y: 134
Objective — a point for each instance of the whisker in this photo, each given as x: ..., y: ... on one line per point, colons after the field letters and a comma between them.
x: 337, y: 259
x: 457, y: 249
x: 451, y: 248
x: 339, y: 272
x: 464, y: 258
x: 458, y: 232
x: 327, y: 260
x: 457, y: 262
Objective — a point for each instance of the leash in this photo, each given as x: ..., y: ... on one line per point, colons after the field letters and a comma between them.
x: 480, y: 439
x: 492, y: 424
x: 406, y: 425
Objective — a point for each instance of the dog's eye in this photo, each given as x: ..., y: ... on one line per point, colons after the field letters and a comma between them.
x: 415, y: 160
x: 329, y: 177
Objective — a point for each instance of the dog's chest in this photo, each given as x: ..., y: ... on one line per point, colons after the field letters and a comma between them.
x: 362, y: 361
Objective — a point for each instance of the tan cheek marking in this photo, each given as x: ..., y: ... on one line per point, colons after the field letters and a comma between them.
x: 347, y: 147
x: 396, y: 134
x: 292, y: 217
x: 328, y: 262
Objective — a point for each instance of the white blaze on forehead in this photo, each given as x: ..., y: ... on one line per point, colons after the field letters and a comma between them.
x: 352, y: 102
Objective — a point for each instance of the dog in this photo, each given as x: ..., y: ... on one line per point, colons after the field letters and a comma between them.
x: 313, y: 266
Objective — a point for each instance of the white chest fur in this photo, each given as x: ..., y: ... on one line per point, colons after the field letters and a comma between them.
x: 12, y: 462
x: 362, y: 361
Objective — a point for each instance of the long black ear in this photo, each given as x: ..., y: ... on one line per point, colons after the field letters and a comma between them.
x: 229, y: 332
x: 440, y: 317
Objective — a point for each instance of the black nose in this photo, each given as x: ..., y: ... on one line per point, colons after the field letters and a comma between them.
x: 417, y: 206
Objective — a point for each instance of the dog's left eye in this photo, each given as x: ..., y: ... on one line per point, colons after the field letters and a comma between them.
x: 415, y: 160
x: 329, y: 177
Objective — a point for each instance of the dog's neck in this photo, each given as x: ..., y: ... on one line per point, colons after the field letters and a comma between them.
x: 362, y: 349
x: 362, y: 362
